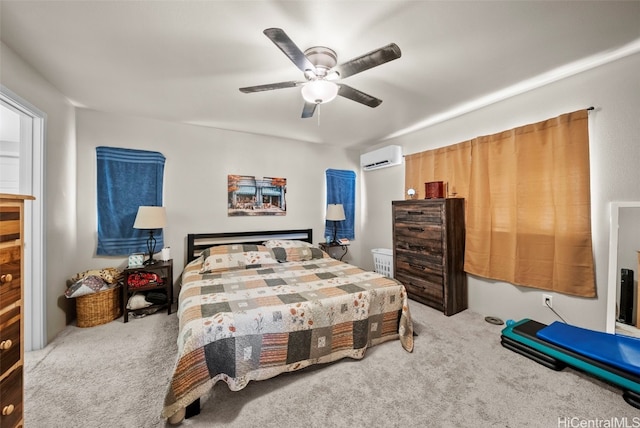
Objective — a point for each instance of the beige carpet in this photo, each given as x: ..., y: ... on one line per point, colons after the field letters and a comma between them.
x: 115, y: 375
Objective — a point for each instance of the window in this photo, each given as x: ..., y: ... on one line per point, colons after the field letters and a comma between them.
x: 341, y: 189
x: 528, y: 207
x: 127, y: 179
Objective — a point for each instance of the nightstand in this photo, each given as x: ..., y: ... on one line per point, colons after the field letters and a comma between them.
x: 334, y: 249
x: 164, y: 270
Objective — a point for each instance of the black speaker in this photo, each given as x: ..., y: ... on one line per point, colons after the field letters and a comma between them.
x: 627, y: 296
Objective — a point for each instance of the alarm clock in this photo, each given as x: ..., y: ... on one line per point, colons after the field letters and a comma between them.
x: 136, y: 260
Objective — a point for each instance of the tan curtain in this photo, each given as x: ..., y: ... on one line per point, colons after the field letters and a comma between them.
x: 528, y: 208
x: 451, y: 164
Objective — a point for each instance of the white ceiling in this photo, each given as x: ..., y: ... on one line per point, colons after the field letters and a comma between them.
x: 184, y: 61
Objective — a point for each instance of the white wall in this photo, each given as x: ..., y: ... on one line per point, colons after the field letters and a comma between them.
x: 380, y: 187
x: 198, y: 160
x: 614, y: 90
x: 60, y: 179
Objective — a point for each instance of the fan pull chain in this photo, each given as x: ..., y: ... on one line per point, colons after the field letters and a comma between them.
x: 319, y: 104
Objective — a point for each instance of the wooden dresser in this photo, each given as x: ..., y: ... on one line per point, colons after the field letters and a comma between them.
x: 11, y: 309
x: 428, y: 252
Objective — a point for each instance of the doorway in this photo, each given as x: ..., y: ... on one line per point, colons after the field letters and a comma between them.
x: 22, y: 172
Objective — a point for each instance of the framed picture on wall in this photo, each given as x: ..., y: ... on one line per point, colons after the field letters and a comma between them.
x: 252, y: 196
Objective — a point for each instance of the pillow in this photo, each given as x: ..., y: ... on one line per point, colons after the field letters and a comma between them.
x: 87, y: 285
x: 235, y: 256
x: 109, y: 275
x: 298, y: 254
x: 138, y: 301
x: 286, y: 243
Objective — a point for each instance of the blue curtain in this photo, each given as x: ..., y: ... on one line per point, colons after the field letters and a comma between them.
x: 127, y: 179
x: 341, y: 189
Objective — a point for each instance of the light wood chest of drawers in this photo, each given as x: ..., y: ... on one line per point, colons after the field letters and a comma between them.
x: 428, y: 252
x: 11, y: 309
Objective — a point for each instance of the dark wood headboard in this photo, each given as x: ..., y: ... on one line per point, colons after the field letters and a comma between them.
x: 197, y: 242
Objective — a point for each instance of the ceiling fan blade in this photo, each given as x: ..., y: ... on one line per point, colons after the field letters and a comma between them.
x: 286, y: 45
x: 368, y: 60
x: 358, y: 96
x: 308, y: 110
x: 270, y: 87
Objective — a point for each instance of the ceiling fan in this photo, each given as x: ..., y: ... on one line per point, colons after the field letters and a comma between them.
x: 318, y: 64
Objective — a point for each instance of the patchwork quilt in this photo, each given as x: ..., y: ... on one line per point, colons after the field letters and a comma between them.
x: 246, y: 315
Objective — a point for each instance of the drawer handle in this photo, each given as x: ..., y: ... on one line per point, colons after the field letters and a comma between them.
x: 7, y: 410
x: 415, y: 212
x: 5, y: 344
x: 416, y: 229
x: 417, y: 247
x: 4, y: 279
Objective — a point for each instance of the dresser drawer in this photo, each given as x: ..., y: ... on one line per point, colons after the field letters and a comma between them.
x: 423, y: 290
x: 11, y: 399
x: 10, y: 254
x: 10, y: 225
x: 421, y: 265
x: 418, y: 214
x: 427, y: 232
x: 418, y: 244
x: 10, y: 265
x: 9, y: 339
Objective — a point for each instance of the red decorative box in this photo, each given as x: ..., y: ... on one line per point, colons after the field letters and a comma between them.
x: 434, y: 189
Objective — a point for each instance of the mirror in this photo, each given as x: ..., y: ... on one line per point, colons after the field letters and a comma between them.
x: 624, y: 244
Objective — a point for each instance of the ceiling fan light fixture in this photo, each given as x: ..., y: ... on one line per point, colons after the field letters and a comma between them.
x: 319, y: 91
x: 318, y: 63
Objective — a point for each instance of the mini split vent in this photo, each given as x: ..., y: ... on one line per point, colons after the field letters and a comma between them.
x: 381, y: 158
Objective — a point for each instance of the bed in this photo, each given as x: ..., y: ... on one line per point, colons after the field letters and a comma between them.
x: 253, y: 305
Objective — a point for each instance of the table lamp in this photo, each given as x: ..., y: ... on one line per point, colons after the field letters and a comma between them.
x: 335, y: 213
x: 150, y: 218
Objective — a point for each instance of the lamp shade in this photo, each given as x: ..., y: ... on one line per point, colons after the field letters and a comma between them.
x: 150, y: 218
x: 335, y: 212
x: 319, y: 91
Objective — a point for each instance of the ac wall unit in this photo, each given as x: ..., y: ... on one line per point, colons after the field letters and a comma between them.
x: 381, y: 158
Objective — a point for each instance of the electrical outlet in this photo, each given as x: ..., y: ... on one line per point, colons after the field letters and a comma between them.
x: 547, y: 300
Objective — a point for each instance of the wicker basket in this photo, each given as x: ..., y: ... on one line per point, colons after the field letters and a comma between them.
x: 99, y: 308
